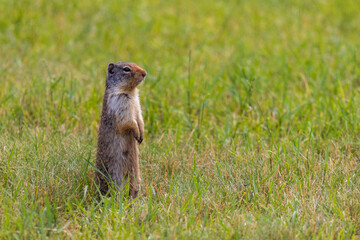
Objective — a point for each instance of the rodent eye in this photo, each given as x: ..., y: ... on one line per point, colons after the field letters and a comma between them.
x: 126, y: 69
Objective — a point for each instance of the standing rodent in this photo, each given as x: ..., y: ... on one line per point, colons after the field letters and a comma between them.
x: 121, y: 128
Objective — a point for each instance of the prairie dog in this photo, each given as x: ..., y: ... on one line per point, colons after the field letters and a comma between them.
x: 121, y: 129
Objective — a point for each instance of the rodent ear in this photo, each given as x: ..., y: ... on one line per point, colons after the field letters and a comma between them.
x: 111, y: 68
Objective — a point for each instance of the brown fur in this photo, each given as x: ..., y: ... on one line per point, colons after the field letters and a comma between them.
x: 121, y: 128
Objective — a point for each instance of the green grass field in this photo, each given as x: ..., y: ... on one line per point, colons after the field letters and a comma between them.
x: 251, y: 112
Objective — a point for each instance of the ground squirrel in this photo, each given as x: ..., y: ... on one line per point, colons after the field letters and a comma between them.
x: 121, y: 128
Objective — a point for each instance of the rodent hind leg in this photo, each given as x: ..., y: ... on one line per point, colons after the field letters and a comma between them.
x: 102, y: 177
x: 117, y: 179
x: 102, y: 184
x: 134, y: 185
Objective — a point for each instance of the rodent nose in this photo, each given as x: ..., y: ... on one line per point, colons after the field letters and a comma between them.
x: 143, y: 73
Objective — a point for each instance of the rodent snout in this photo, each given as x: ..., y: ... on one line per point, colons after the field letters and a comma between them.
x: 143, y: 73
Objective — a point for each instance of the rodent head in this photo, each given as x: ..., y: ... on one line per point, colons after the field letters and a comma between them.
x: 124, y: 76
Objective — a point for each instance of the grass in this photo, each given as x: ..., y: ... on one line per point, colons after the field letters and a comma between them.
x: 251, y: 112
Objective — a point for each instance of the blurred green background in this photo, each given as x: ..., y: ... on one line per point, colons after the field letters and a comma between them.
x: 251, y: 112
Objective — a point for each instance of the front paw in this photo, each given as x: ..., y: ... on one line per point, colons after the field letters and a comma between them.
x: 139, y: 139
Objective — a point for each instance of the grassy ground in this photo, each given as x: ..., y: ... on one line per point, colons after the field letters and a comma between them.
x: 251, y: 112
